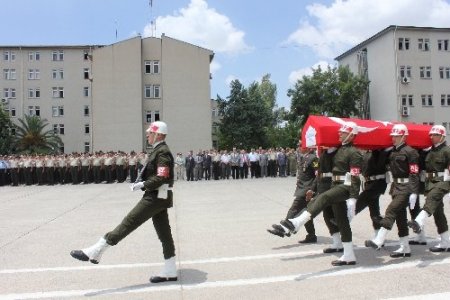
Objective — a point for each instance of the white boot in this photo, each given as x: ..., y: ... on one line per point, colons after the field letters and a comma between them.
x: 93, y: 253
x: 404, y: 250
x: 421, y: 217
x: 444, y: 244
x: 419, y: 239
x: 300, y: 220
x: 337, y: 244
x: 169, y: 273
x: 348, y: 258
x: 378, y: 241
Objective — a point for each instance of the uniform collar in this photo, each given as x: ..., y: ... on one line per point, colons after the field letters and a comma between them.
x: 439, y: 146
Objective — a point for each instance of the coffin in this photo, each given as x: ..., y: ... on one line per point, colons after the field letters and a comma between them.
x: 373, y: 134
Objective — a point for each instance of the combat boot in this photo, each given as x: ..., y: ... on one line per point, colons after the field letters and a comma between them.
x: 279, y: 230
x: 337, y: 244
x: 444, y: 245
x: 419, y: 239
x: 93, y: 253
x: 378, y: 241
x: 169, y: 273
x: 404, y: 250
x: 294, y: 224
x: 348, y: 258
x: 418, y: 223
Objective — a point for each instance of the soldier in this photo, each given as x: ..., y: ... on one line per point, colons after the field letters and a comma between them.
x: 307, y: 167
x: 374, y: 185
x: 234, y: 162
x: 437, y: 185
x: 345, y: 189
x: 108, y: 165
x: 75, y: 166
x: 28, y: 170
x: 404, y: 165
x: 50, y: 169
x: 14, y: 167
x: 40, y: 170
x: 85, y: 167
x: 156, y: 180
x: 120, y: 166
x: 132, y: 161
x: 97, y: 165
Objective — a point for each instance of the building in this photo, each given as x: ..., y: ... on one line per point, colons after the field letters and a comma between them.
x: 409, y: 72
x: 99, y: 97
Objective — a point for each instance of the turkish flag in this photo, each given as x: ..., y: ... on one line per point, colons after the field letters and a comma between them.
x: 372, y: 134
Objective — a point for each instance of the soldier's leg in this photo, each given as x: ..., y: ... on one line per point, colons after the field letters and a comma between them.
x: 162, y: 227
x: 143, y: 211
x: 439, y: 219
x: 340, y: 212
x: 404, y: 250
x: 297, y: 206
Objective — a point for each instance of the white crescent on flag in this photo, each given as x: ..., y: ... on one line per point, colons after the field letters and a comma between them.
x: 360, y: 128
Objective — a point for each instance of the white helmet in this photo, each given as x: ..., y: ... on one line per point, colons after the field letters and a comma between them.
x: 399, y: 130
x: 157, y: 127
x: 349, y: 127
x: 438, y: 129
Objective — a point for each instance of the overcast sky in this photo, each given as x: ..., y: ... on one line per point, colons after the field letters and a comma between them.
x: 250, y: 38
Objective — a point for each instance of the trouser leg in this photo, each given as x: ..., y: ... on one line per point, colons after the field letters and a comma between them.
x: 439, y: 219
x: 163, y: 230
x: 340, y: 212
x: 328, y: 216
x: 298, y: 205
x: 397, y: 205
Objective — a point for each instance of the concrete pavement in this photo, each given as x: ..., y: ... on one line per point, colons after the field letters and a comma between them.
x: 223, y: 249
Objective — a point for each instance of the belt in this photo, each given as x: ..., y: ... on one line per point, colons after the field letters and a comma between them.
x: 401, y: 180
x: 338, y: 177
x: 435, y: 174
x: 326, y: 175
x: 375, y: 177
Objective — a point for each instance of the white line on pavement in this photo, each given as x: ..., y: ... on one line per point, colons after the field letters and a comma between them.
x: 228, y: 283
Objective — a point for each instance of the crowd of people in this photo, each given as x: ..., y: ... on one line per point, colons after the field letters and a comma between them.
x: 342, y: 181
x: 109, y: 167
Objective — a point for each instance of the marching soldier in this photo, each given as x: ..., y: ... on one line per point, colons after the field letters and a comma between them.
x: 437, y: 185
x: 157, y: 180
x: 307, y: 168
x: 404, y: 165
x: 345, y: 189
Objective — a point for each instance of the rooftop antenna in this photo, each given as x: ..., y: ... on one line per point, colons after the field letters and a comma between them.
x: 115, y: 21
x: 152, y: 21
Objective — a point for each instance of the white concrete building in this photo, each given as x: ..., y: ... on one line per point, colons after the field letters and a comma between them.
x: 104, y: 97
x: 409, y: 72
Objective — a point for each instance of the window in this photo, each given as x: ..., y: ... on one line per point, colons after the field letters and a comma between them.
x: 86, y: 110
x: 405, y: 71
x: 9, y: 93
x: 86, y: 73
x: 152, y: 91
x: 57, y: 92
x: 86, y: 91
x: 156, y: 90
x: 34, y: 56
x: 58, y: 129
x: 427, y: 100
x: 403, y: 44
x: 34, y: 111
x: 87, y: 147
x: 86, y: 128
x: 151, y: 66
x: 34, y: 93
x: 58, y: 55
x: 425, y: 72
x: 148, y: 116
x: 445, y: 100
x: 57, y: 111
x: 407, y: 100
x: 443, y: 45
x: 9, y: 55
x: 444, y: 72
x: 34, y: 74
x: 58, y: 74
x: 11, y: 111
x: 86, y: 55
x: 9, y: 74
x: 424, y: 44
x: 157, y: 116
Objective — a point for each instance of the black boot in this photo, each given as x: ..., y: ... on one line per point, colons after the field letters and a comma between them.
x: 278, y: 230
x: 309, y: 239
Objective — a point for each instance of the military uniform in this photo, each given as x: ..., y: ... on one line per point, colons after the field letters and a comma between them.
x: 158, y: 171
x: 373, y: 171
x: 307, y: 167
x: 404, y: 166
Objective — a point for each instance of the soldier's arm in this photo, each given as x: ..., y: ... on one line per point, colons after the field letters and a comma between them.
x: 355, y: 169
x: 414, y: 180
x: 162, y: 176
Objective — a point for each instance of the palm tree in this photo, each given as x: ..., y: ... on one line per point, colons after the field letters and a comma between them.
x: 31, y: 137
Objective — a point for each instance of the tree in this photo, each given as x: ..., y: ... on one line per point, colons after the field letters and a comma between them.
x: 245, y: 117
x: 32, y: 138
x: 334, y: 92
x: 6, y: 138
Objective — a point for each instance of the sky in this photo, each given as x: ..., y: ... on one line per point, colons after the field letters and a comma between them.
x: 250, y: 38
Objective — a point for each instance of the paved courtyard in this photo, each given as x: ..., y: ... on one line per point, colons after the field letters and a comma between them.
x: 223, y: 249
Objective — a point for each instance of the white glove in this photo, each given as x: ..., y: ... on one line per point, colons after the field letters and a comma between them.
x: 136, y: 186
x: 348, y: 179
x: 412, y: 200
x: 331, y: 149
x: 351, y: 207
x: 446, y: 197
x: 446, y: 175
